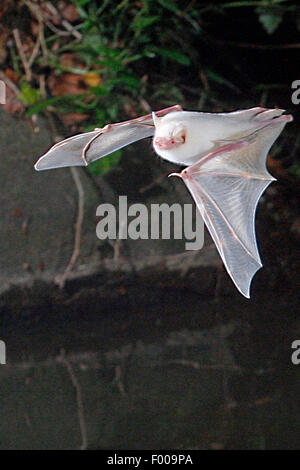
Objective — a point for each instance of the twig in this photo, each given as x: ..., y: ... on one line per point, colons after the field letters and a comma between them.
x: 9, y: 83
x: 60, y: 280
x: 155, y: 182
x: 118, y: 380
x: 71, y: 29
x: 36, y: 11
x: 27, y: 63
x: 35, y: 50
x: 56, y: 30
x: 42, y: 40
x: 186, y: 264
x: 44, y: 17
x: 217, y: 292
x: 42, y: 83
x: 65, y: 23
x: 197, y: 365
x: 259, y: 46
x: 62, y: 358
x: 145, y: 105
x: 116, y: 245
x: 203, y: 98
x: 22, y: 54
x: 252, y: 404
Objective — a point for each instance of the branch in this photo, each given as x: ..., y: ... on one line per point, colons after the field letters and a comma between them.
x: 62, y: 358
x: 24, y: 60
x: 60, y: 280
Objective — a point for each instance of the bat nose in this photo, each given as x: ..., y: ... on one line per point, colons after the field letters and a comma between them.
x: 165, y: 143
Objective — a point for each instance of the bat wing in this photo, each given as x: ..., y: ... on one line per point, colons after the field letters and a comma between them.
x: 226, y: 186
x: 82, y: 149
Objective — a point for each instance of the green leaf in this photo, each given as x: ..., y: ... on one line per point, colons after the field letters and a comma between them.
x: 29, y: 96
x: 141, y: 23
x: 215, y: 77
x: 270, y: 18
x: 270, y: 22
x: 169, y: 54
x: 103, y: 165
x: 169, y: 6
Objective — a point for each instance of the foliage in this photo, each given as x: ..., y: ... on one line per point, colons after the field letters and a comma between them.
x: 29, y: 96
x: 114, y: 51
x: 116, y: 57
x: 103, y: 165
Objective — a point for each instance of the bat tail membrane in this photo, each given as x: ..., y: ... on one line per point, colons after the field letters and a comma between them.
x: 226, y: 186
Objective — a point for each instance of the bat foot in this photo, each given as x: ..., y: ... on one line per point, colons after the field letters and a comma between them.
x: 179, y: 175
x: 270, y: 115
x: 285, y: 118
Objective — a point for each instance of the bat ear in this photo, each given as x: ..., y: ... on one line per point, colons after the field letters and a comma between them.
x: 155, y: 118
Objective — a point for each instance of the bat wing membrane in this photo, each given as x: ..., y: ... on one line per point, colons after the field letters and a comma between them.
x: 82, y: 149
x: 226, y: 186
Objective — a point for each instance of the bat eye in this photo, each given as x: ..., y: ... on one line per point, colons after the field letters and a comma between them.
x: 178, y: 135
x: 180, y: 139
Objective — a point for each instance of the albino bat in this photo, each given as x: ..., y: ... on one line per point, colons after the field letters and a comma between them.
x: 225, y: 155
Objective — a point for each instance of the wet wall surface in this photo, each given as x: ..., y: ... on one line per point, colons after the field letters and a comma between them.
x: 165, y: 369
x: 137, y: 355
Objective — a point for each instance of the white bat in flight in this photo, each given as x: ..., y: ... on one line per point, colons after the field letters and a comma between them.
x: 225, y: 155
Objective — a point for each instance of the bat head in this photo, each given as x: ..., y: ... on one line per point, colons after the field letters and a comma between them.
x: 168, y: 135
x: 173, y: 139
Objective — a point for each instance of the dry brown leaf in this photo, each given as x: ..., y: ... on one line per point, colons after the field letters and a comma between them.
x: 12, y: 105
x: 69, y: 59
x: 73, y: 118
x: 67, y: 83
x: 92, y: 79
x: 68, y: 11
x: 275, y: 167
x: 12, y: 75
x: 130, y: 110
x: 3, y: 46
